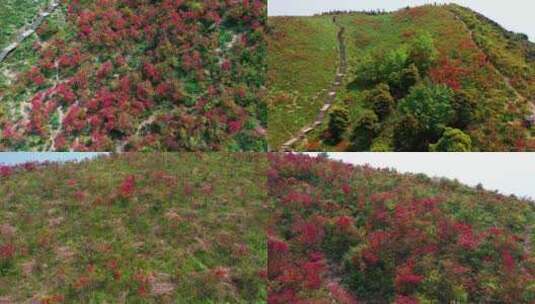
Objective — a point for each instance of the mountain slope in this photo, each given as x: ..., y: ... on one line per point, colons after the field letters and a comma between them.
x: 135, y: 228
x: 297, y: 67
x: 351, y: 234
x: 166, y: 75
x: 479, y: 79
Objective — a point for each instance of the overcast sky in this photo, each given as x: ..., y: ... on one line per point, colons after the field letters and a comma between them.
x: 11, y: 158
x: 509, y: 173
x: 515, y: 15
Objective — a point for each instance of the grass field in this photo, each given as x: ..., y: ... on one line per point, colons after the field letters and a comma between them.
x: 135, y: 228
x: 302, y: 59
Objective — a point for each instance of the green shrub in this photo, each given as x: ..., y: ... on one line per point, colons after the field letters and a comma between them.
x: 430, y: 105
x: 380, y: 145
x: 423, y: 52
x: 453, y: 140
x: 408, y: 135
x: 381, y: 100
x: 399, y: 68
x: 464, y: 104
x: 338, y: 122
x: 385, y: 68
x: 364, y: 130
x: 409, y: 77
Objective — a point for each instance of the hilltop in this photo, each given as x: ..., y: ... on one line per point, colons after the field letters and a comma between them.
x: 353, y: 234
x: 110, y: 75
x: 428, y: 78
x: 135, y: 228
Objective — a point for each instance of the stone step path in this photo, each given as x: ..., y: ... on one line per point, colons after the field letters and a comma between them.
x: 27, y: 31
x: 329, y: 99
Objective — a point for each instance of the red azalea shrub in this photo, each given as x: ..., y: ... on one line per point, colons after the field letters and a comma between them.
x: 7, y: 251
x: 127, y: 187
x: 5, y: 171
x: 397, y: 238
x: 449, y: 72
x: 121, y: 86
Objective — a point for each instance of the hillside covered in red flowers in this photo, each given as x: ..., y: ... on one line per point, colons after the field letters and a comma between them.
x: 135, y: 228
x: 347, y: 234
x: 114, y: 75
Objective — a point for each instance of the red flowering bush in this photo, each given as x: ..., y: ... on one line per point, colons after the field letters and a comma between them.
x: 128, y: 186
x: 151, y: 75
x: 392, y: 238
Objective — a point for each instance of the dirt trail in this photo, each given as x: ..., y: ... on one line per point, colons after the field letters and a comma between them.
x: 329, y: 99
x: 28, y: 30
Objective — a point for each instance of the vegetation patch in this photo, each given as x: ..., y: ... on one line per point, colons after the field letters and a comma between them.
x: 139, y: 75
x: 135, y: 228
x: 350, y: 234
x: 423, y: 71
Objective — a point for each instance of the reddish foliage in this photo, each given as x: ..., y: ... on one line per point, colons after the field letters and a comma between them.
x: 299, y: 198
x: 449, y: 72
x: 400, y: 299
x: 127, y: 187
x: 341, y: 295
x: 394, y: 236
x: 310, y: 233
x: 344, y: 222
x: 405, y: 276
x: 5, y: 171
x: 313, y: 270
x: 7, y: 251
x: 508, y: 260
x: 134, y: 60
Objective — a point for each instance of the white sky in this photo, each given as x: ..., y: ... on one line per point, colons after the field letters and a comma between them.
x: 515, y: 15
x: 509, y: 173
x: 13, y: 158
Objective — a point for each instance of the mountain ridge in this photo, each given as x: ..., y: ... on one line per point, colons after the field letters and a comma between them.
x: 510, y: 53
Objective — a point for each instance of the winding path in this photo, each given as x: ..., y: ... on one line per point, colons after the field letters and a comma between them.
x: 28, y: 30
x: 329, y: 99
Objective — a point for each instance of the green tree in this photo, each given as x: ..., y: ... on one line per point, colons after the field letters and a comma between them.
x: 422, y: 52
x: 430, y: 105
x: 365, y: 130
x: 381, y: 100
x: 453, y: 140
x: 410, y: 76
x: 409, y: 135
x: 382, y: 67
x: 338, y: 122
x: 464, y: 104
x: 392, y: 66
